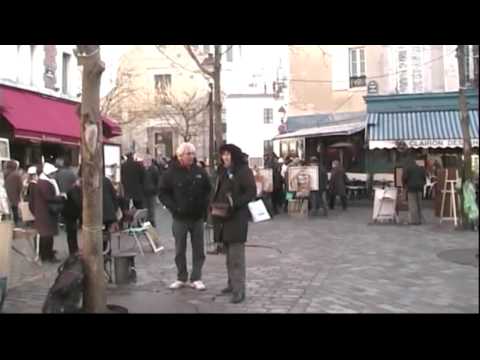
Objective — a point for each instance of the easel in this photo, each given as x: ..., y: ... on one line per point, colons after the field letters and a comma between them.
x: 449, y: 188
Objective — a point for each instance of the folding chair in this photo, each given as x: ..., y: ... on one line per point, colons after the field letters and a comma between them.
x: 140, y: 227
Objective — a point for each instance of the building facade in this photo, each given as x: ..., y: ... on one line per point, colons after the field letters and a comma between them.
x: 40, y: 89
x: 246, y: 70
x: 252, y: 122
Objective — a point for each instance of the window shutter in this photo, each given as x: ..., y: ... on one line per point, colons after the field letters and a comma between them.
x: 340, y: 68
x: 417, y: 68
x: 451, y: 68
x: 428, y: 67
x: 390, y: 69
x: 402, y: 69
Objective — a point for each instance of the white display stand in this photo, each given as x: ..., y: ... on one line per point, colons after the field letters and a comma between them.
x: 385, y: 204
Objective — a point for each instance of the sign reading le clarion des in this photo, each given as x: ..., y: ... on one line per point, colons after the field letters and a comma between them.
x: 416, y: 144
x: 438, y: 143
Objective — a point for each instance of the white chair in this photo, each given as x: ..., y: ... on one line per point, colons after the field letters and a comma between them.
x: 427, y: 188
x: 137, y: 228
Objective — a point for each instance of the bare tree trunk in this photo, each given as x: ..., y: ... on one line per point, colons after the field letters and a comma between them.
x: 218, y: 98
x: 466, y: 170
x: 92, y: 178
x: 211, y: 143
x: 475, y: 66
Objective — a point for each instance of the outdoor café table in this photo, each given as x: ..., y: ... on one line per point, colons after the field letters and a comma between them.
x: 355, y: 191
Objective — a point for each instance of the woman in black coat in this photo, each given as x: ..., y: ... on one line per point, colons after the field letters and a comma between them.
x: 72, y: 213
x: 235, y: 187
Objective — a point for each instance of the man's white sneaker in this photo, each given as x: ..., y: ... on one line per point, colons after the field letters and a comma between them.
x: 177, y: 285
x: 199, y: 285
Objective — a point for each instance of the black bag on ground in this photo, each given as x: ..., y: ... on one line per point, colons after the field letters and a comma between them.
x: 66, y: 294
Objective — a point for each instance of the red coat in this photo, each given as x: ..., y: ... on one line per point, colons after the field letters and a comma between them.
x: 45, y: 223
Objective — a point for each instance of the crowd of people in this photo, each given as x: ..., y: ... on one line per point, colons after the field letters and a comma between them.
x: 323, y: 194
x: 192, y: 196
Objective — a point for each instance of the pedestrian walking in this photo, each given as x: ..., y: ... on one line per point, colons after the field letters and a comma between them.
x: 414, y: 178
x: 132, y: 174
x: 338, y: 185
x: 46, y: 206
x: 14, y: 188
x: 235, y: 188
x: 185, y: 189
x: 318, y: 198
x: 150, y: 186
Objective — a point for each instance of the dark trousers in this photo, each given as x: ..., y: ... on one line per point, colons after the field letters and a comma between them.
x: 343, y: 199
x: 235, y: 260
x: 277, y: 199
x: 415, y: 207
x: 268, y: 201
x: 16, y: 216
x: 151, y: 202
x: 180, y: 229
x: 46, y: 248
x: 71, y: 228
x: 317, y: 199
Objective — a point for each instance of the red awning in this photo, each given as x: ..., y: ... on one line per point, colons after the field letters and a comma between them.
x: 40, y: 117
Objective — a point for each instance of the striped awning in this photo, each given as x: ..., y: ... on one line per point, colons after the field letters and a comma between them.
x: 419, y: 129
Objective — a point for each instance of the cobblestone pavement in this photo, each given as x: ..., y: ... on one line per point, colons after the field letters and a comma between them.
x: 338, y: 264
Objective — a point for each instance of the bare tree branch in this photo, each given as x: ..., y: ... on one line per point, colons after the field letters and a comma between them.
x: 199, y: 64
x: 125, y: 96
x: 182, y: 114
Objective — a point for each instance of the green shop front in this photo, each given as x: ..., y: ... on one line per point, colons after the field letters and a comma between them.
x: 429, y: 124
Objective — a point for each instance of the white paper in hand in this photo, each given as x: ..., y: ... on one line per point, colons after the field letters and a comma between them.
x: 259, y: 211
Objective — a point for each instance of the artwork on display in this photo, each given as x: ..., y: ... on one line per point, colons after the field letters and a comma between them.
x: 263, y: 180
x: 4, y: 205
x: 303, y: 179
x: 4, y: 149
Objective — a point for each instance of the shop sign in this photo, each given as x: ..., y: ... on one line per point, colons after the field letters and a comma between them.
x: 415, y: 144
x: 51, y: 138
x: 372, y: 87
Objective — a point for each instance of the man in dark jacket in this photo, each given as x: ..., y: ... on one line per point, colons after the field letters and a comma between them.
x: 236, y: 187
x: 338, y: 185
x: 185, y: 190
x: 72, y: 214
x: 132, y: 174
x: 414, y: 178
x: 318, y: 198
x: 65, y: 177
x: 150, y: 186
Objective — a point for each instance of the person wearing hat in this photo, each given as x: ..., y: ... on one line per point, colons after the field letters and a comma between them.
x: 46, y: 202
x: 235, y: 188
